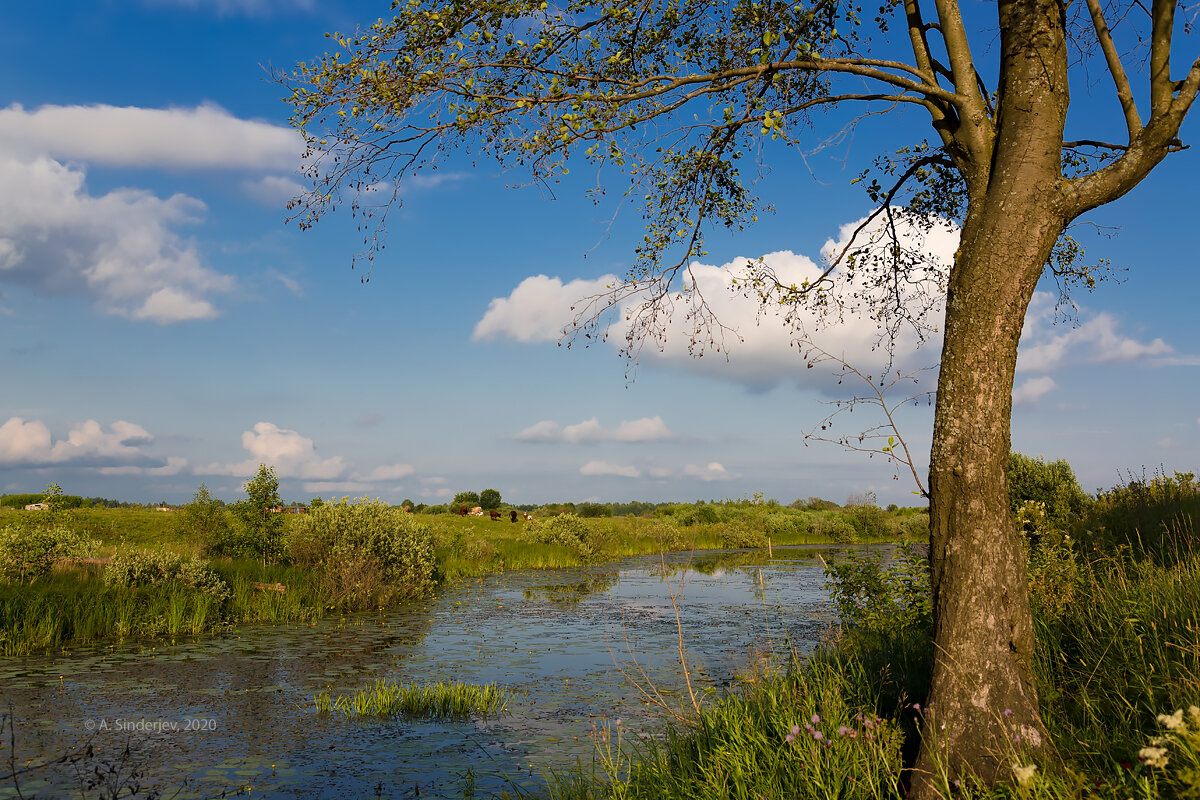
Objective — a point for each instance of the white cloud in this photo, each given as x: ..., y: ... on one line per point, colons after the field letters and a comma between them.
x: 605, y: 468
x: 121, y: 248
x: 538, y: 309
x: 713, y: 471
x: 339, y: 487
x: 30, y: 444
x: 273, y: 190
x: 758, y: 349
x: 292, y: 456
x: 1166, y: 443
x: 1097, y: 340
x: 391, y: 472
x: 591, y: 431
x: 1032, y: 390
x: 250, y: 8
x: 205, y: 137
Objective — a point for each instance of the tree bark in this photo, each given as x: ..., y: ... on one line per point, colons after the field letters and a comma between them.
x: 982, y: 713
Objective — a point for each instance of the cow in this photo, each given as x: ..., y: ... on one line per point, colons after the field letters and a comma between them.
x: 512, y: 515
x: 494, y: 514
x: 477, y: 511
x: 529, y: 517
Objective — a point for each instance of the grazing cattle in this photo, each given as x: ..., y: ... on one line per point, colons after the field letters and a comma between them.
x: 529, y: 517
x: 462, y: 510
x: 477, y: 511
x: 494, y: 514
x: 513, y: 515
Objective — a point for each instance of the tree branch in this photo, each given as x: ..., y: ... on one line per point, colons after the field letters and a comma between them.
x: 1162, y: 13
x: 1133, y: 123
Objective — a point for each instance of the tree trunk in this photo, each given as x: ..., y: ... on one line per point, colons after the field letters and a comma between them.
x: 982, y: 713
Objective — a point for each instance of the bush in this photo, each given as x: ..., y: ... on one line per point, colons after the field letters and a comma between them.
x: 868, y: 520
x: 365, y: 552
x: 1054, y: 484
x: 869, y: 597
x: 567, y: 530
x: 259, y: 529
x: 835, y: 529
x: 595, y: 510
x: 133, y: 568
x: 28, y: 549
x: 203, y: 521
x: 489, y: 499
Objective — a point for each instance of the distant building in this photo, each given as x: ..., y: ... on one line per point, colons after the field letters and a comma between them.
x: 38, y: 507
x: 164, y: 508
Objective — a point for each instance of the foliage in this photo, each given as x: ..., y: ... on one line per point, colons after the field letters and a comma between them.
x: 871, y: 597
x: 588, y: 510
x: 258, y: 530
x: 1052, y: 484
x: 814, y: 504
x: 489, y: 499
x: 833, y: 529
x: 468, y: 499
x: 366, y: 553
x: 30, y: 548
x: 566, y: 530
x: 203, y: 521
x: 131, y: 568
x: 1150, y: 515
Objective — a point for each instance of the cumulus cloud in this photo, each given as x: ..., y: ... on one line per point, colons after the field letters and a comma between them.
x: 538, y: 309
x: 292, y: 456
x: 337, y: 487
x: 758, y: 347
x: 29, y: 443
x: 590, y: 431
x: 174, y: 466
x: 713, y: 471
x: 605, y: 468
x: 273, y: 190
x: 390, y: 472
x: 121, y: 247
x: 205, y: 137
x: 1032, y: 390
x: 1097, y: 340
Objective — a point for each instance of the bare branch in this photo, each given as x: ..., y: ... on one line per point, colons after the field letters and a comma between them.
x: 1162, y: 13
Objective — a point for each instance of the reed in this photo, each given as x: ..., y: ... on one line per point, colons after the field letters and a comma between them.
x: 445, y: 701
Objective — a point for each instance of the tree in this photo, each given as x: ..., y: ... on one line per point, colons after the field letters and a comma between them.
x: 468, y: 499
x: 261, y: 527
x: 489, y: 499
x: 203, y: 520
x: 677, y: 93
x: 1052, y: 484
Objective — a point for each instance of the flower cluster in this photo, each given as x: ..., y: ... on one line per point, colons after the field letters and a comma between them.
x: 867, y: 725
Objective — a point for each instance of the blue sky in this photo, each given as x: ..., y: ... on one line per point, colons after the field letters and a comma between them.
x: 162, y: 326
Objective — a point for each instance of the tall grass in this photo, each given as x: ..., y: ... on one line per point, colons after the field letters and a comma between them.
x: 419, y: 701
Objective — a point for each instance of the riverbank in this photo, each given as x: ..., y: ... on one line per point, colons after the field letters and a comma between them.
x: 78, y: 603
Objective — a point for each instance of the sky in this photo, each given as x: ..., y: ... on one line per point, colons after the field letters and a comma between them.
x: 162, y: 325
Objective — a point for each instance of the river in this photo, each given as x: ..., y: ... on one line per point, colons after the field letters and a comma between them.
x: 235, y: 712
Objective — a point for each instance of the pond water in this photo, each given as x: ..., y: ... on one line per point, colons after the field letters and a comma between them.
x: 235, y: 712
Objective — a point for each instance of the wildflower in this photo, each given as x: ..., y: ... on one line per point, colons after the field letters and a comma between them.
x: 1024, y: 774
x: 1194, y: 712
x: 916, y: 707
x: 1154, y: 756
x: 1008, y: 712
x: 815, y: 719
x: 618, y: 723
x: 789, y: 738
x: 817, y: 735
x: 1172, y: 722
x: 843, y: 730
x: 795, y: 730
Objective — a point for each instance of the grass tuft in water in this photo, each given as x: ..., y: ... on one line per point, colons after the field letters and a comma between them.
x: 439, y: 700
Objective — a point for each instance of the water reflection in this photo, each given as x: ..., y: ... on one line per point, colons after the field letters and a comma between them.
x: 236, y: 711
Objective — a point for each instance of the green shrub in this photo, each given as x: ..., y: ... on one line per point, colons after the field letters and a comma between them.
x: 870, y: 596
x: 1052, y: 483
x: 365, y: 552
x: 868, y: 520
x: 595, y: 510
x: 203, y: 521
x: 29, y: 548
x: 835, y: 529
x: 133, y: 568
x: 915, y: 527
x: 567, y: 530
x: 259, y: 529
x: 735, y: 537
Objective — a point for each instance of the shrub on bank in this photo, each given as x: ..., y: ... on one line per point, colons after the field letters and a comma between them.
x: 566, y: 530
x: 133, y: 568
x: 29, y: 549
x: 364, y: 552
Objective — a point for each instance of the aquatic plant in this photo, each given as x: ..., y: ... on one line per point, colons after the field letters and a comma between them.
x: 419, y: 701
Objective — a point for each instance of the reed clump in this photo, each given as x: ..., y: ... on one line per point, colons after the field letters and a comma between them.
x: 426, y: 701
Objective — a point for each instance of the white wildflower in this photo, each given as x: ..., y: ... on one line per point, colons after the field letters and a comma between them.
x: 1194, y: 713
x: 1024, y: 774
x: 1172, y: 722
x: 1154, y: 756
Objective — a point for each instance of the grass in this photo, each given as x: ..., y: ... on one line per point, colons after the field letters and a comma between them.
x: 72, y: 605
x: 1117, y: 665
x: 441, y: 701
